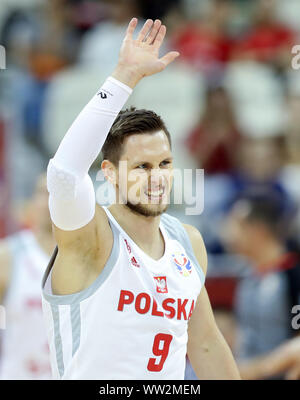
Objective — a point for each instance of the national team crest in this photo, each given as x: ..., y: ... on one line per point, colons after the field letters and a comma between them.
x: 183, y: 264
x: 161, y: 284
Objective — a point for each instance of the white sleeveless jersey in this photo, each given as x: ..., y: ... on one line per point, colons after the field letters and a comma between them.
x: 24, y: 345
x: 131, y: 323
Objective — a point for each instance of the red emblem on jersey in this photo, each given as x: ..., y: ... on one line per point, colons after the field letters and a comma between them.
x: 33, y: 302
x: 134, y: 262
x: 161, y: 284
x: 127, y: 245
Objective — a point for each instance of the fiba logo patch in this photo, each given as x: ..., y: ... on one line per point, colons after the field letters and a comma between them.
x: 161, y: 284
x: 183, y: 264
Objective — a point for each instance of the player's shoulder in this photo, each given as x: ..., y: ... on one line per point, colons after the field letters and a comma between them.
x: 197, y: 244
x: 172, y: 223
x: 192, y: 231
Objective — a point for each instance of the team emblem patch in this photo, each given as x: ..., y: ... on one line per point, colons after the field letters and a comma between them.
x: 161, y: 284
x: 183, y: 264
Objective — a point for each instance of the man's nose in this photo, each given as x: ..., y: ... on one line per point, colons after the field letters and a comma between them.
x: 156, y: 179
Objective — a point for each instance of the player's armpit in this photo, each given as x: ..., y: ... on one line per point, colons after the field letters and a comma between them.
x: 81, y: 260
x: 207, y: 349
x: 198, y: 245
x: 5, y: 268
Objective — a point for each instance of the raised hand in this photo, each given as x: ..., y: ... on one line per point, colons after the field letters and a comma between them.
x: 139, y: 58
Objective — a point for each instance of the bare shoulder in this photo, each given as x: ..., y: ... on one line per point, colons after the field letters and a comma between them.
x: 5, y: 266
x: 198, y: 245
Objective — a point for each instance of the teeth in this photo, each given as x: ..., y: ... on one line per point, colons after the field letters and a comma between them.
x: 158, y: 193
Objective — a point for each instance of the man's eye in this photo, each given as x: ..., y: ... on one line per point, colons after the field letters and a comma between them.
x: 142, y: 166
x: 165, y: 162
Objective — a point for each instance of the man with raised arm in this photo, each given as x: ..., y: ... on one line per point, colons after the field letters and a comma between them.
x: 124, y: 295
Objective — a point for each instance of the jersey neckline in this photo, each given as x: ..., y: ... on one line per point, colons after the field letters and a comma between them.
x: 144, y: 254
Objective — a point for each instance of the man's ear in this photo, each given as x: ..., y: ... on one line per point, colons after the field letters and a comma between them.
x: 109, y: 171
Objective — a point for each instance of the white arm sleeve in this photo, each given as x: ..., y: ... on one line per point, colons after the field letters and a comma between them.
x: 71, y: 190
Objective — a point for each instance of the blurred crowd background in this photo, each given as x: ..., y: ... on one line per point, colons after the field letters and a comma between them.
x: 232, y: 104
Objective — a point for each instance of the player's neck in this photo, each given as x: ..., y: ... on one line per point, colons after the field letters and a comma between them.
x: 143, y: 230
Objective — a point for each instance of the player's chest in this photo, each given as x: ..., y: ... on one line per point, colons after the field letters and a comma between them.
x: 166, y: 289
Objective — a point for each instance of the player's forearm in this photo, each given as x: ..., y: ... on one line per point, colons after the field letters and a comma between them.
x: 213, y: 359
x: 71, y: 191
x: 86, y: 136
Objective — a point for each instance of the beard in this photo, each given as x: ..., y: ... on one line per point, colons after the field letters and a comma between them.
x: 141, y: 209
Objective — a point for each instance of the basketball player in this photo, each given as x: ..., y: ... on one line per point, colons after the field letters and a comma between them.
x: 23, y: 259
x: 122, y: 285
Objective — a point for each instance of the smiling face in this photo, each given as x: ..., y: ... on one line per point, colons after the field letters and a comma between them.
x: 143, y: 179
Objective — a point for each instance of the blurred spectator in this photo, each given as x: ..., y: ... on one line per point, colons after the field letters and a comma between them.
x: 204, y: 43
x: 257, y: 92
x: 39, y: 42
x: 290, y: 173
x: 267, y: 40
x: 214, y: 140
x: 285, y: 359
x: 23, y: 258
x: 257, y: 228
x: 157, y: 9
x: 257, y: 165
x: 288, y: 12
x: 259, y: 161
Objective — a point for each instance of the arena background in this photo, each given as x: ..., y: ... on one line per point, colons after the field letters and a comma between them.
x: 231, y: 102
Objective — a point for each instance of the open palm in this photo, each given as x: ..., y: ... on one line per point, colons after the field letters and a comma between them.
x: 142, y: 54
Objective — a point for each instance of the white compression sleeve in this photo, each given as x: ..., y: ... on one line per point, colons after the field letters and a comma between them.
x: 71, y: 191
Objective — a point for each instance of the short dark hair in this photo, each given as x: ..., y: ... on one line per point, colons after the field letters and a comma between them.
x: 129, y: 122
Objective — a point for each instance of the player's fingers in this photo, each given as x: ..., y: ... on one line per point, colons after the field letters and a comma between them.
x: 131, y: 27
x: 145, y: 29
x: 152, y: 35
x: 169, y: 57
x: 160, y: 36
